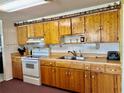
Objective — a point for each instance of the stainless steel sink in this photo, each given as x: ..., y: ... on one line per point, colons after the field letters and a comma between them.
x: 72, y: 58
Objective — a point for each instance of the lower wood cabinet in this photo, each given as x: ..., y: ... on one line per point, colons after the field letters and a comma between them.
x: 80, y: 80
x: 17, y: 69
x: 48, y: 75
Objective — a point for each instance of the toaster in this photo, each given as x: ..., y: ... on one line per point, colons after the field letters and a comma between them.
x: 113, y: 55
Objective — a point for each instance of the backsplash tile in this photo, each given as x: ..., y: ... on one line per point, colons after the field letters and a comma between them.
x: 100, y: 48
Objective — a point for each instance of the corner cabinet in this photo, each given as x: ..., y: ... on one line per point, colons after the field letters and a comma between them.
x: 22, y: 34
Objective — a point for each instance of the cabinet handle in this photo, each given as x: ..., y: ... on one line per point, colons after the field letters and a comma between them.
x: 50, y: 63
x: 85, y: 76
x: 69, y: 73
x: 53, y: 70
x: 93, y: 76
x: 66, y: 73
x: 113, y: 70
x: 97, y: 68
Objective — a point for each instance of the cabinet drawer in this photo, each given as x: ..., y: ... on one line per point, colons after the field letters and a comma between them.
x: 47, y: 63
x: 113, y: 69
x: 63, y: 64
x: 77, y: 65
x: 87, y: 66
x: 16, y: 59
x: 98, y: 67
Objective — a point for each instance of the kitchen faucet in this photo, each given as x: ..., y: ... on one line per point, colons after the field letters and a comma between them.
x: 73, y: 52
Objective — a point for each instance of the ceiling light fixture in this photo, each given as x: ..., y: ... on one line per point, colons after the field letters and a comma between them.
x: 20, y: 4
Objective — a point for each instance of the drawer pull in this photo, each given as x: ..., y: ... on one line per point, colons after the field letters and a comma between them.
x: 113, y: 70
x: 93, y: 77
x: 87, y: 67
x: 97, y: 68
x: 66, y: 73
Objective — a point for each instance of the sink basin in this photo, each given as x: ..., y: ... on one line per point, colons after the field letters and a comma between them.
x: 68, y: 57
x: 72, y: 58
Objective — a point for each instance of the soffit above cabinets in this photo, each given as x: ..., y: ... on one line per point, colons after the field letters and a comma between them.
x: 52, y: 8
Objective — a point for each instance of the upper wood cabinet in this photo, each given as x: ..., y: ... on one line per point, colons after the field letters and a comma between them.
x: 35, y: 30
x: 78, y: 25
x: 92, y: 26
x: 51, y: 33
x: 22, y: 32
x: 38, y: 30
x: 65, y: 27
x: 109, y: 26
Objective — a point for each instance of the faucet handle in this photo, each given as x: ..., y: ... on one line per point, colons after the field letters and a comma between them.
x: 80, y: 53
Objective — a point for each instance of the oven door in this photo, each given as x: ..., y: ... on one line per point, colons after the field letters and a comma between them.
x: 31, y: 68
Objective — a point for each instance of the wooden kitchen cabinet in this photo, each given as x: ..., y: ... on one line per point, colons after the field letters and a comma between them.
x: 78, y: 25
x: 92, y: 26
x: 65, y: 27
x: 51, y: 32
x: 109, y: 26
x: 35, y: 30
x: 17, y: 68
x: 48, y: 75
x: 22, y: 34
x: 70, y: 79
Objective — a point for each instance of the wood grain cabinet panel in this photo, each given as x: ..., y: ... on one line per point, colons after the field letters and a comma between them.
x: 22, y: 36
x: 48, y: 75
x: 65, y: 27
x: 109, y: 26
x: 78, y: 25
x: 38, y: 30
x: 92, y: 25
x: 51, y: 32
x: 17, y: 69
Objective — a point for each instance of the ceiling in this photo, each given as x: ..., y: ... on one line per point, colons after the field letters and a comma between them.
x: 54, y: 7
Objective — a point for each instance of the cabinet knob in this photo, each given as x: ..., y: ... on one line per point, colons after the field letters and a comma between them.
x: 97, y: 68
x: 85, y: 76
x: 66, y: 73
x: 113, y: 70
x: 50, y: 63
x: 93, y: 76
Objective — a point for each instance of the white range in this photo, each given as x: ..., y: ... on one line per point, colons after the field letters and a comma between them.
x: 31, y: 66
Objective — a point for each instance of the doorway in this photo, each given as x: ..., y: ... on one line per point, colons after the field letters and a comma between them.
x: 1, y: 53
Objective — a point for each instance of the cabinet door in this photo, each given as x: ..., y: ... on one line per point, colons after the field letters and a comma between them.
x: 47, y: 32
x: 106, y: 83
x: 78, y: 25
x: 76, y: 80
x: 22, y: 34
x: 48, y: 75
x: 87, y: 82
x: 63, y: 78
x: 92, y: 25
x: 30, y: 31
x: 54, y: 33
x: 17, y: 70
x: 94, y: 82
x: 38, y: 30
x: 64, y: 27
x: 118, y: 81
x: 45, y: 77
x: 109, y: 24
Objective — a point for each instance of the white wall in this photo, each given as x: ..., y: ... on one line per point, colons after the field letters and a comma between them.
x: 9, y: 46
